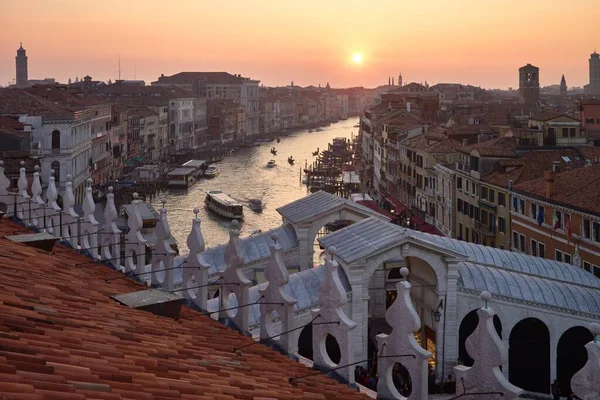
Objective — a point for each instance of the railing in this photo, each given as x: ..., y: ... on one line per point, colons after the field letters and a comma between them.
x: 485, y: 229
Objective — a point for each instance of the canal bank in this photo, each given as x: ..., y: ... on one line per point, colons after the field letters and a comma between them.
x: 244, y: 175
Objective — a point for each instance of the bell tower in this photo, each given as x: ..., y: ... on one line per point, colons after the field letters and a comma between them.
x: 21, y: 61
x: 529, y: 84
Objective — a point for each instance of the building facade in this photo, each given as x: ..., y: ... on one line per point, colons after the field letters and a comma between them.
x: 529, y: 84
x: 593, y: 88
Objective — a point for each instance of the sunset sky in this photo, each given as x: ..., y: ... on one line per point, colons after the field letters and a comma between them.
x: 481, y: 42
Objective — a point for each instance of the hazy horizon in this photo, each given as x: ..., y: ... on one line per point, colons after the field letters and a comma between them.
x: 308, y: 42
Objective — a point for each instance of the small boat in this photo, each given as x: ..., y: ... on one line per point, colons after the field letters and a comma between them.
x: 291, y: 160
x: 211, y: 171
x: 278, y: 140
x: 319, y: 130
x: 271, y: 164
x: 273, y: 151
x: 224, y: 205
x: 356, y: 126
x: 310, y: 131
x: 256, y: 205
x: 316, y: 153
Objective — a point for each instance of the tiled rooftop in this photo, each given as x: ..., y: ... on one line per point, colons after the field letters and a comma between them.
x: 63, y: 337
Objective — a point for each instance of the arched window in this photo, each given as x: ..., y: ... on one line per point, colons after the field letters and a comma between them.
x: 56, y: 167
x: 55, y: 140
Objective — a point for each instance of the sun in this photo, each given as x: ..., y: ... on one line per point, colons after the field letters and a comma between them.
x: 357, y: 58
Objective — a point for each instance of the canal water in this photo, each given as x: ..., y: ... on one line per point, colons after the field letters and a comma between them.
x: 244, y: 176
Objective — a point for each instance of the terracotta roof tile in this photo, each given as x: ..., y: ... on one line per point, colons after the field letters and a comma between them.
x: 63, y: 337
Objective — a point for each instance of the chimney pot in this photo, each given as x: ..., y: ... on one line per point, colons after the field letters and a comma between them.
x: 465, y: 142
x: 550, y: 177
x: 510, y: 184
x: 556, y: 166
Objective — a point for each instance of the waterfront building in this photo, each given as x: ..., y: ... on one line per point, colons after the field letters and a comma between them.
x: 588, y: 112
x: 593, y: 88
x: 222, y: 121
x: 100, y: 165
x: 270, y: 114
x: 220, y: 85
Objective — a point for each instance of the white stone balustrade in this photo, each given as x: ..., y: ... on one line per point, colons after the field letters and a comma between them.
x: 38, y: 205
x: 70, y: 219
x: 195, y: 269
x: 488, y: 351
x: 330, y: 319
x: 274, y: 299
x: 89, y: 226
x: 52, y: 217
x: 234, y: 283
x: 585, y: 384
x: 135, y: 244
x: 401, y: 342
x: 110, y: 237
x: 23, y: 199
x: 163, y: 256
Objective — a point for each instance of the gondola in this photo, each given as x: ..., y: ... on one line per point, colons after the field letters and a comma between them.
x: 291, y: 160
x: 273, y: 151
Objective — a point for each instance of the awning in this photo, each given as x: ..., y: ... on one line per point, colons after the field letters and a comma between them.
x: 393, y: 202
x: 423, y: 226
x: 129, y: 163
x: 139, y: 159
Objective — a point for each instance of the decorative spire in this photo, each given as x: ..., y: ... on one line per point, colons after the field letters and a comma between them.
x: 234, y: 281
x: 195, y: 275
x: 586, y: 382
x: 110, y: 236
x: 36, y: 186
x: 489, y: 353
x: 404, y: 320
x: 163, y: 256
x: 135, y: 244
x: 273, y: 294
x: 333, y: 297
x: 51, y: 192
x: 4, y: 181
x: 89, y: 207
x: 22, y: 182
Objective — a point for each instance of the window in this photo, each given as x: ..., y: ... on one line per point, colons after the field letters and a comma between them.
x: 466, y: 186
x: 565, y: 132
x: 56, y: 167
x: 589, y: 120
x: 515, y: 240
x: 558, y: 220
x: 459, y: 183
x: 541, y: 250
x: 474, y: 187
x: 522, y: 207
x: 501, y: 199
x: 533, y: 207
x: 534, y: 247
x: 572, y: 132
x: 484, y: 193
x: 597, y: 271
x: 586, y: 231
x: 522, y: 243
x: 484, y: 217
x: 567, y: 258
x: 459, y: 205
x: 460, y: 229
x: 55, y: 140
x: 491, y: 196
x: 558, y: 255
x: 596, y: 231
x: 466, y: 234
x: 471, y: 211
x: 587, y: 266
x: 501, y: 225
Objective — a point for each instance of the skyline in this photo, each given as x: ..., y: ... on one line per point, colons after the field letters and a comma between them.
x: 308, y: 42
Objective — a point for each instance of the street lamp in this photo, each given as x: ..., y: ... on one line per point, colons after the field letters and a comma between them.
x: 437, y: 315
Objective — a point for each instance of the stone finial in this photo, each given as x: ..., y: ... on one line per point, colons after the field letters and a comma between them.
x: 279, y: 301
x: 89, y: 207
x: 163, y: 256
x: 333, y: 297
x: 195, y: 274
x: 70, y: 217
x: 586, y: 382
x: 234, y: 281
x: 36, y: 187
x: 51, y: 192
x: 22, y: 183
x: 404, y: 320
x: 89, y: 225
x: 110, y: 233
x: 489, y: 353
x: 135, y: 244
x: 4, y: 181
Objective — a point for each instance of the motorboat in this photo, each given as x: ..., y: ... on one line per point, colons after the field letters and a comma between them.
x: 274, y: 151
x: 211, y: 171
x: 319, y: 130
x: 256, y: 205
x: 271, y: 164
x: 291, y: 160
x: 222, y: 204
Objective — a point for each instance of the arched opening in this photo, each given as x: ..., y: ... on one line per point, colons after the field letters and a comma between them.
x: 305, y: 342
x: 401, y: 380
x: 56, y: 167
x: 318, y: 250
x: 571, y: 355
x: 467, y: 327
x: 332, y: 349
x: 529, y: 356
x: 55, y: 140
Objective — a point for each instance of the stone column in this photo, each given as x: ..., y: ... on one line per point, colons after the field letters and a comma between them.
x: 439, y: 338
x: 305, y: 250
x: 553, y: 355
x: 451, y: 325
x: 360, y: 312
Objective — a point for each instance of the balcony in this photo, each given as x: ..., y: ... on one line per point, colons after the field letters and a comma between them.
x: 429, y: 192
x: 487, y: 204
x: 485, y: 229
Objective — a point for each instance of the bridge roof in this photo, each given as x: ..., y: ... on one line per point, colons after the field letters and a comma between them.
x: 514, y: 275
x: 320, y: 203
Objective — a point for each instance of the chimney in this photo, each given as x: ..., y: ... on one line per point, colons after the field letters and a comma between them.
x: 550, y: 177
x: 510, y: 183
x: 408, y: 106
x: 465, y: 142
x: 556, y: 166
